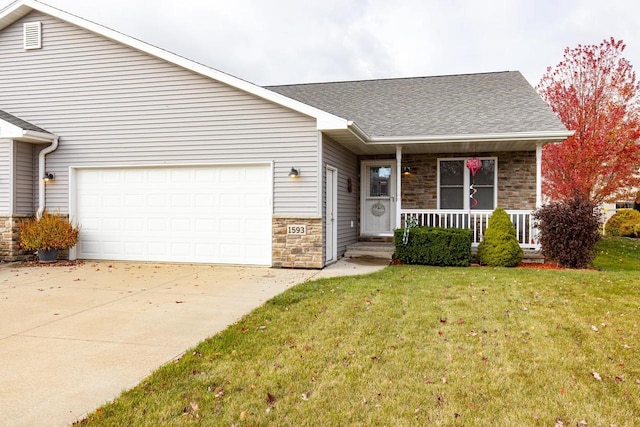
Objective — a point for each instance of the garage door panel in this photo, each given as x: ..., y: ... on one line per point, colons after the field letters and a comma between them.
x: 256, y: 226
x: 180, y: 201
x: 136, y: 200
x: 88, y: 200
x: 180, y: 249
x: 157, y: 201
x: 110, y: 176
x: 206, y: 250
x: 181, y: 175
x: 205, y: 201
x: 157, y: 225
x: 230, y: 176
x: 90, y: 247
x: 231, y: 249
x: 255, y: 200
x: 111, y: 248
x: 130, y: 248
x: 206, y: 176
x: 205, y: 226
x: 158, y: 175
x: 213, y: 214
x: 229, y: 201
x: 157, y: 249
x: 108, y: 224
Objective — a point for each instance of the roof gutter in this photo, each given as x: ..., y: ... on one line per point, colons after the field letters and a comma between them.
x: 36, y: 136
x: 358, y: 132
x: 42, y: 171
x: 545, y: 137
x: 552, y: 136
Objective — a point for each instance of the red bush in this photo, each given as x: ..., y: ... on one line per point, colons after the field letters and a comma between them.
x: 569, y: 231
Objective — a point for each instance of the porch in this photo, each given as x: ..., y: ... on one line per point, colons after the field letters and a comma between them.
x: 476, y: 220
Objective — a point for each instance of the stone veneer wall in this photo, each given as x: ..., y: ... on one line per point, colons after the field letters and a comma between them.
x: 295, y: 250
x: 516, y: 179
x: 9, y: 245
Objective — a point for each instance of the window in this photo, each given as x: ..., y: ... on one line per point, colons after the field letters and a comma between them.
x: 451, y: 184
x: 455, y: 179
x: 379, y: 181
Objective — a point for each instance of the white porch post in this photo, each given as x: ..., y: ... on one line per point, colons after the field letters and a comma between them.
x: 398, y: 185
x: 538, y: 175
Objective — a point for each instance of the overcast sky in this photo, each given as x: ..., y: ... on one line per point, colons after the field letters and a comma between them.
x: 296, y: 41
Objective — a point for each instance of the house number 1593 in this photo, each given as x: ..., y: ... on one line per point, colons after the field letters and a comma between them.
x: 296, y: 229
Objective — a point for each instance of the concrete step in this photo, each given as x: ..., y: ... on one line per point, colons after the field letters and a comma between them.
x: 381, y: 250
x: 533, y: 256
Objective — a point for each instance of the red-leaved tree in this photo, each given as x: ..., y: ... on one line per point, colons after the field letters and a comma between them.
x: 595, y: 93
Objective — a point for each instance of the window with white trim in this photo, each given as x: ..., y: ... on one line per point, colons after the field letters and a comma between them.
x: 455, y: 180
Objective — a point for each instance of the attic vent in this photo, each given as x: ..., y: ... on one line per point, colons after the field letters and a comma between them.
x: 32, y: 35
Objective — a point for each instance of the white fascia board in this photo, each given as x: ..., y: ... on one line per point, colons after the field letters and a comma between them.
x: 325, y: 121
x: 552, y: 136
x: 9, y: 130
x: 12, y: 13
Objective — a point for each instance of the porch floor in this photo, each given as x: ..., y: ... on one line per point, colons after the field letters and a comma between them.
x: 385, y: 250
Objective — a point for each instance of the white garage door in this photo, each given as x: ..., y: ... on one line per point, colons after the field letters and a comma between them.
x: 208, y: 214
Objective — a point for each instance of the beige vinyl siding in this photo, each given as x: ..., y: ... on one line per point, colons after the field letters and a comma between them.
x: 24, y: 178
x: 5, y: 177
x: 113, y: 105
x: 347, y: 164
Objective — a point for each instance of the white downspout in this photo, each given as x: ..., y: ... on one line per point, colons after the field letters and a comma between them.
x: 534, y: 230
x: 42, y: 171
x: 538, y: 175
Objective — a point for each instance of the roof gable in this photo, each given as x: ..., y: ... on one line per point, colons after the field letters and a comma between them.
x: 471, y: 104
x: 473, y: 107
x: 21, y: 8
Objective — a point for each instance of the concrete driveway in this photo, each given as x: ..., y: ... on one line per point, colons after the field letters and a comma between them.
x: 73, y: 337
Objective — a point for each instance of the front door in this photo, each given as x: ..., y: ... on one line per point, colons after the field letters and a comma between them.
x: 378, y: 197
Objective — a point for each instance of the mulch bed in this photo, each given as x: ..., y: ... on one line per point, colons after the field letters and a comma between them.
x: 540, y: 265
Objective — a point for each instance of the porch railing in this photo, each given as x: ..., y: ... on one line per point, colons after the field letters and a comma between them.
x: 475, y: 220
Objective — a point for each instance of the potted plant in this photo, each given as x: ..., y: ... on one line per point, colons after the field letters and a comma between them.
x: 48, y: 235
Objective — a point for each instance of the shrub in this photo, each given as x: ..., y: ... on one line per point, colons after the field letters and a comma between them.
x: 434, y: 246
x: 499, y: 246
x: 569, y: 231
x: 623, y: 223
x: 49, y: 232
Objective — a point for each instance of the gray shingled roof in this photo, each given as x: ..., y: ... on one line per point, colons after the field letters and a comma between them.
x: 19, y: 122
x: 489, y: 103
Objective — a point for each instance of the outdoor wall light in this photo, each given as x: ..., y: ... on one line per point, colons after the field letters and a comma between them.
x: 48, y: 176
x: 294, y: 173
x: 406, y: 170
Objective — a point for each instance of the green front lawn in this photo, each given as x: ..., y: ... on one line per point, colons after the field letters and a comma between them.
x: 415, y: 345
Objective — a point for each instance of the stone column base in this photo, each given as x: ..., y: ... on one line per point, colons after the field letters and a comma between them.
x: 9, y: 243
x: 298, y: 250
